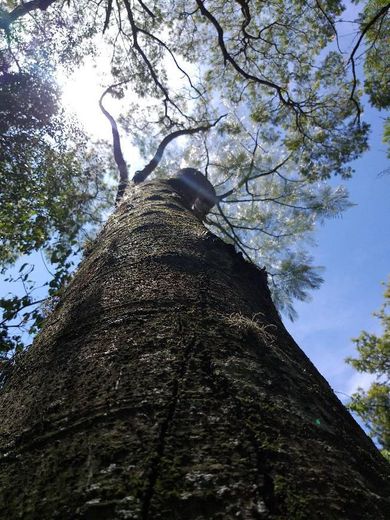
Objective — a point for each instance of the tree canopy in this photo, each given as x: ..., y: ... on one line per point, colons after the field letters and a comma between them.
x: 268, y: 104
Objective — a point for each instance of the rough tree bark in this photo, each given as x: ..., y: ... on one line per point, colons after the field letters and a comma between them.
x: 164, y: 386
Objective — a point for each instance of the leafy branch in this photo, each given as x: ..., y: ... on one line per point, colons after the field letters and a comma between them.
x: 281, y: 92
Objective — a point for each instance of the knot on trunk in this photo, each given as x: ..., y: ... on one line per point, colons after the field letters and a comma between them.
x: 196, y: 191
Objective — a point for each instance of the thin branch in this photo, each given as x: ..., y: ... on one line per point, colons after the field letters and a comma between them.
x: 248, y: 178
x: 233, y: 237
x: 262, y: 230
x: 331, y: 23
x: 274, y: 170
x: 116, y: 142
x: 379, y: 14
x: 45, y: 264
x: 206, y: 168
x: 228, y: 59
x: 141, y: 175
x: 24, y: 306
x: 108, y: 15
x: 146, y: 8
x: 236, y: 238
x: 165, y: 46
x: 8, y: 36
x: 286, y: 179
x: 274, y: 200
x: 135, y: 30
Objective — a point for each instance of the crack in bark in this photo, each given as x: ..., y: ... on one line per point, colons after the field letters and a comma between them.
x: 266, y: 485
x: 190, y: 348
x: 154, y: 468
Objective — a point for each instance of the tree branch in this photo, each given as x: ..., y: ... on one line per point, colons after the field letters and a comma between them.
x: 8, y: 18
x: 108, y: 15
x: 228, y: 59
x: 331, y: 23
x: 237, y: 240
x: 135, y: 30
x: 249, y: 177
x: 116, y: 142
x: 379, y: 14
x: 233, y: 236
x: 146, y: 9
x: 165, y: 46
x: 141, y: 175
x: 16, y: 312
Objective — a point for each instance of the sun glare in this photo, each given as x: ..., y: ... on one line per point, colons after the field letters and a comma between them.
x: 80, y: 95
x: 81, y: 92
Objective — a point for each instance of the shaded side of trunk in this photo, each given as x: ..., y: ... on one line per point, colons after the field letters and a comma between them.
x: 164, y: 386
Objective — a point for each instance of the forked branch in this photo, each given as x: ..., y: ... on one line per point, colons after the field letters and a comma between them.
x: 283, y: 95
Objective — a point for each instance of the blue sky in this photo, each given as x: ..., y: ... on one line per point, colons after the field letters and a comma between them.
x: 355, y: 250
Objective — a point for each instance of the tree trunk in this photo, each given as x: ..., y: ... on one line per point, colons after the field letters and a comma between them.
x: 164, y: 386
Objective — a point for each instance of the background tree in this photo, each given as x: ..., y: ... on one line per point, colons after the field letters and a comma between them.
x: 53, y: 180
x: 375, y: 30
x: 373, y: 405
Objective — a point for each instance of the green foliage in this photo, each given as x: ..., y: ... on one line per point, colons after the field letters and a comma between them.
x: 49, y: 175
x: 373, y: 405
x: 377, y: 56
x: 386, y: 135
